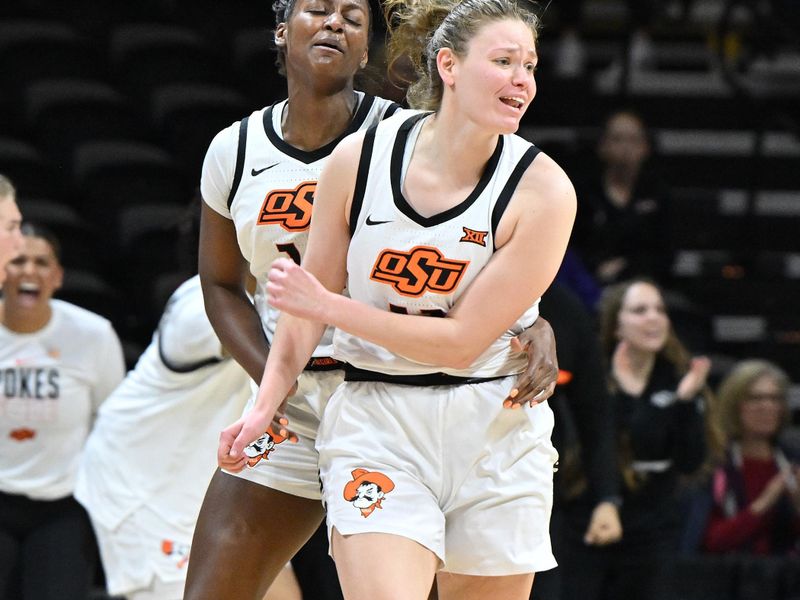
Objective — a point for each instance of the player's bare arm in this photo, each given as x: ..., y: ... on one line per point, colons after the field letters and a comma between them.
x: 224, y: 274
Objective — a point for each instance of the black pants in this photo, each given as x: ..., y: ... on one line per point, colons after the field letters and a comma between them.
x: 315, y: 570
x: 46, y: 549
x: 616, y: 572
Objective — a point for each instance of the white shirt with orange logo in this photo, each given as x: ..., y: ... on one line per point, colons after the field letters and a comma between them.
x: 52, y: 383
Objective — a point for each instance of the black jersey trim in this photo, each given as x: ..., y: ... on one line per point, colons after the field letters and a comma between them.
x: 352, y: 373
x: 312, y: 156
x: 240, y: 152
x: 396, y: 168
x: 361, y: 178
x: 190, y: 368
x: 391, y: 110
x: 510, y: 187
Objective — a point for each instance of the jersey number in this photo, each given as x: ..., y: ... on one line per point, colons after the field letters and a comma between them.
x: 425, y: 312
x: 291, y: 250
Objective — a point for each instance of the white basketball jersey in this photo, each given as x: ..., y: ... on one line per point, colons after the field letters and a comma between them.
x: 155, y: 437
x: 269, y: 190
x: 401, y: 261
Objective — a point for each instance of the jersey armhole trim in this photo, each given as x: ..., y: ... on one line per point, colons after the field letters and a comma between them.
x: 240, y: 152
x: 391, y: 110
x: 196, y: 366
x: 361, y: 178
x: 509, y: 189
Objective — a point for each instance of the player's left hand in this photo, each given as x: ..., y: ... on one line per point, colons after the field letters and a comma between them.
x: 538, y: 382
x: 294, y: 290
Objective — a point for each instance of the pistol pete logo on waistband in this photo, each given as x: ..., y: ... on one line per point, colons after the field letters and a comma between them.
x: 291, y: 209
x: 419, y: 270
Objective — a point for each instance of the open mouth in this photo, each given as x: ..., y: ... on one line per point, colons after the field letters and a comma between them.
x: 29, y: 290
x: 330, y: 45
x: 513, y: 101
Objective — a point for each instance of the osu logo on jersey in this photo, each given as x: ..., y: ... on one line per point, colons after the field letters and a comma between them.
x: 421, y: 269
x: 291, y: 209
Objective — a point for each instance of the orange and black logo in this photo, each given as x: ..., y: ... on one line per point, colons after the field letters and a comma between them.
x: 291, y: 209
x: 421, y: 269
x: 474, y: 237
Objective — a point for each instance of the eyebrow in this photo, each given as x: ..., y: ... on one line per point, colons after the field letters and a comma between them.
x: 530, y: 51
x: 353, y: 6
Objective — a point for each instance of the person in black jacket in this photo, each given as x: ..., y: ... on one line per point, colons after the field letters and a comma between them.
x: 587, y: 492
x: 659, y: 393
x: 619, y: 230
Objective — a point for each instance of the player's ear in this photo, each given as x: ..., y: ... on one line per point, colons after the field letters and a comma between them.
x: 280, y: 35
x: 446, y: 63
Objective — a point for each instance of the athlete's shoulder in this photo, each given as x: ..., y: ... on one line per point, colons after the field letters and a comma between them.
x: 81, y: 319
x: 229, y: 136
x: 402, y: 115
x: 543, y: 174
x: 385, y: 107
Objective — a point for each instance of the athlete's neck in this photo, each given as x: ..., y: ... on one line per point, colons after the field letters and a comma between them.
x: 311, y: 120
x: 446, y: 139
x: 26, y: 320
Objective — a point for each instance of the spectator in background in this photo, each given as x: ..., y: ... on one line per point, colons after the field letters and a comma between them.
x: 58, y: 362
x: 754, y: 496
x: 658, y: 393
x: 587, y: 485
x: 619, y: 227
x: 10, y: 221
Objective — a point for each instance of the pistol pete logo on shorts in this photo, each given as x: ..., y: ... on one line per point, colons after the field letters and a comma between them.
x: 367, y: 490
x: 179, y: 551
x: 291, y: 209
x: 419, y: 270
x: 262, y: 447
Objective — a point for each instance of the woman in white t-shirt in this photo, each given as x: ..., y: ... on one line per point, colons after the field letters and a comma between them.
x: 58, y: 362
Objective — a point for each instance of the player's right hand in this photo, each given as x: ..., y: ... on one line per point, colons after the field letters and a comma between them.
x: 225, y: 459
x: 235, y: 438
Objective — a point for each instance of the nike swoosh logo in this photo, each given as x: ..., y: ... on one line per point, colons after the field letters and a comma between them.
x: 371, y: 222
x: 256, y: 172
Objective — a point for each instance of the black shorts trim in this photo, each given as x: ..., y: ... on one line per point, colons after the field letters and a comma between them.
x: 426, y: 380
